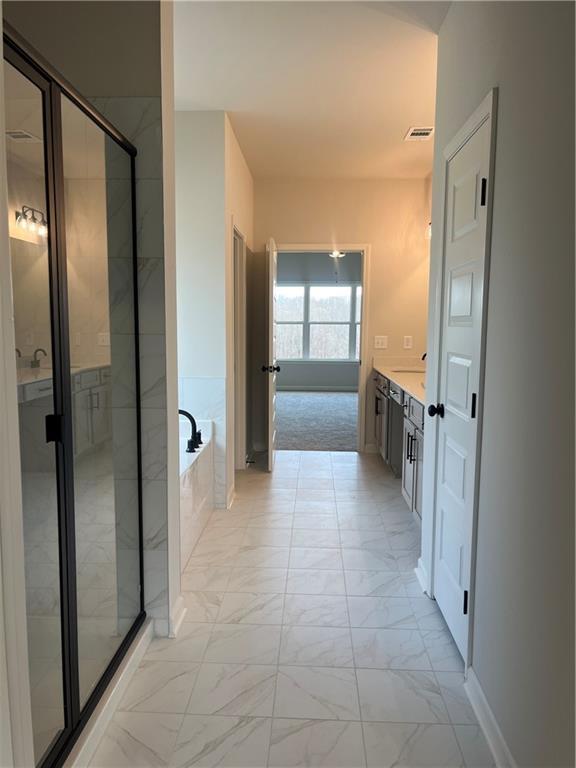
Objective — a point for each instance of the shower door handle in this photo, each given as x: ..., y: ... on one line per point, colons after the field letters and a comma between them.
x: 53, y: 424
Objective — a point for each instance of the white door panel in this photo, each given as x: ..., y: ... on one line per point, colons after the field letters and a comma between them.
x: 460, y: 358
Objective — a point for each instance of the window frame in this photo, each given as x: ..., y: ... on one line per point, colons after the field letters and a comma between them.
x: 354, y: 327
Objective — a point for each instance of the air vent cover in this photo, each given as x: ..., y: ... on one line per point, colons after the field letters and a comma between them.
x: 419, y: 134
x: 23, y: 136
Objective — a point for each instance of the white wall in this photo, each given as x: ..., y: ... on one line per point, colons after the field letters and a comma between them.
x: 213, y: 194
x: 523, y: 628
x: 391, y: 215
x: 239, y: 214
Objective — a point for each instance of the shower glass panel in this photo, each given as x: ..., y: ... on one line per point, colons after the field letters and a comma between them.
x: 103, y: 360
x: 30, y: 259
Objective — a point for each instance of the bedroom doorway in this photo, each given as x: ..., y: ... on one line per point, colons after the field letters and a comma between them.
x: 319, y: 319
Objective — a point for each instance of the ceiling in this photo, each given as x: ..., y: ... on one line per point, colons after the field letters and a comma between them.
x: 314, y: 89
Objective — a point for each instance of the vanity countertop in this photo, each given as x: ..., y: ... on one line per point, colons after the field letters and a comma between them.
x: 409, y: 379
x: 30, y: 375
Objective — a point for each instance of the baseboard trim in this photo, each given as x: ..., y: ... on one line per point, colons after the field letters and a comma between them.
x: 84, y: 749
x: 423, y: 577
x: 178, y: 615
x: 487, y: 721
x: 231, y: 497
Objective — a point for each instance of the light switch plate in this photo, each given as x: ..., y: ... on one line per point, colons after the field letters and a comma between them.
x: 29, y: 339
x: 407, y: 342
x: 103, y: 339
x: 380, y: 342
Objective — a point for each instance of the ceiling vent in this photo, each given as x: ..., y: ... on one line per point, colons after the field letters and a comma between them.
x: 23, y: 136
x: 419, y: 134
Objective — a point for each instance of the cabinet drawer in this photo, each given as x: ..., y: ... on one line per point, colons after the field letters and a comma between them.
x: 38, y: 389
x: 89, y: 379
x: 416, y: 413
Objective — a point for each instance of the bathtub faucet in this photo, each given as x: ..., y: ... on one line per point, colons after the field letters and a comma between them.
x: 196, y: 437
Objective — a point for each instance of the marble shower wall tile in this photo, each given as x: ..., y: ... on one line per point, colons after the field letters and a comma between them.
x: 140, y: 119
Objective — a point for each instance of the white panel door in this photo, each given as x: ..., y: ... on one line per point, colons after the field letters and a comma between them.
x: 460, y: 367
x: 272, y: 365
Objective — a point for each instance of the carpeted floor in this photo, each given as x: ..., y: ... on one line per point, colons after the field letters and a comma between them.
x: 316, y: 421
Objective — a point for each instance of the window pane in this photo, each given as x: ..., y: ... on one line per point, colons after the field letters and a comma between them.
x: 290, y: 302
x: 357, y: 353
x: 330, y: 303
x: 289, y: 341
x: 358, y: 303
x: 329, y: 342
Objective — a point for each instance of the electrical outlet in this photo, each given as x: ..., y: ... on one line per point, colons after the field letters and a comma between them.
x: 103, y: 339
x: 407, y: 342
x: 380, y: 342
x: 77, y: 340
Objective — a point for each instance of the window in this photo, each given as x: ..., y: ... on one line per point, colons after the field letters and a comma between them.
x: 318, y: 322
x: 289, y: 314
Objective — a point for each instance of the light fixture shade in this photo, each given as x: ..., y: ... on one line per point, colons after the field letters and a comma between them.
x: 32, y: 220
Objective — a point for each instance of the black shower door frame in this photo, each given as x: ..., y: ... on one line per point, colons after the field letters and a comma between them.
x: 53, y: 86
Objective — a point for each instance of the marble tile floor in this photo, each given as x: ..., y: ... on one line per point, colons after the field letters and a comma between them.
x: 307, y: 641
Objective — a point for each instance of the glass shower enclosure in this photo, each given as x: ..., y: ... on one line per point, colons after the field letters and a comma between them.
x: 72, y: 248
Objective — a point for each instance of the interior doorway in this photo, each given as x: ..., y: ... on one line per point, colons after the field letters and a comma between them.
x: 319, y: 320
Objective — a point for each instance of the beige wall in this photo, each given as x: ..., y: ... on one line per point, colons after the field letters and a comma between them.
x: 523, y: 626
x: 390, y: 215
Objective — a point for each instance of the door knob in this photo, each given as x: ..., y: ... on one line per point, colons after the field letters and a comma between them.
x: 270, y: 369
x: 434, y: 410
x: 275, y: 368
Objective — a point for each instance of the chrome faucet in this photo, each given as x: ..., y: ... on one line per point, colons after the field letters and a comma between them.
x: 35, y: 363
x: 196, y: 437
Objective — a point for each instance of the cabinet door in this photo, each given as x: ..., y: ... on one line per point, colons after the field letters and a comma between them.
x: 378, y: 421
x: 418, y: 453
x: 384, y: 424
x: 408, y: 462
x: 82, y: 422
x: 101, y: 414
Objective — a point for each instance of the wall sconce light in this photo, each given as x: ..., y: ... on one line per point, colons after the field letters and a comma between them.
x: 429, y: 231
x: 32, y: 220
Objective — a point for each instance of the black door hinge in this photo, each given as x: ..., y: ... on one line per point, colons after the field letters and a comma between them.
x: 483, y: 191
x: 473, y: 409
x: 53, y: 428
x: 465, y: 602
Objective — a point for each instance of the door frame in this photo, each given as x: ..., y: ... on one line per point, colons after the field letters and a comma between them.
x: 240, y: 339
x: 365, y: 363
x: 486, y: 111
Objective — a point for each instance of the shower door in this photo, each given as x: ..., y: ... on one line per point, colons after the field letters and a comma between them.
x: 71, y: 226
